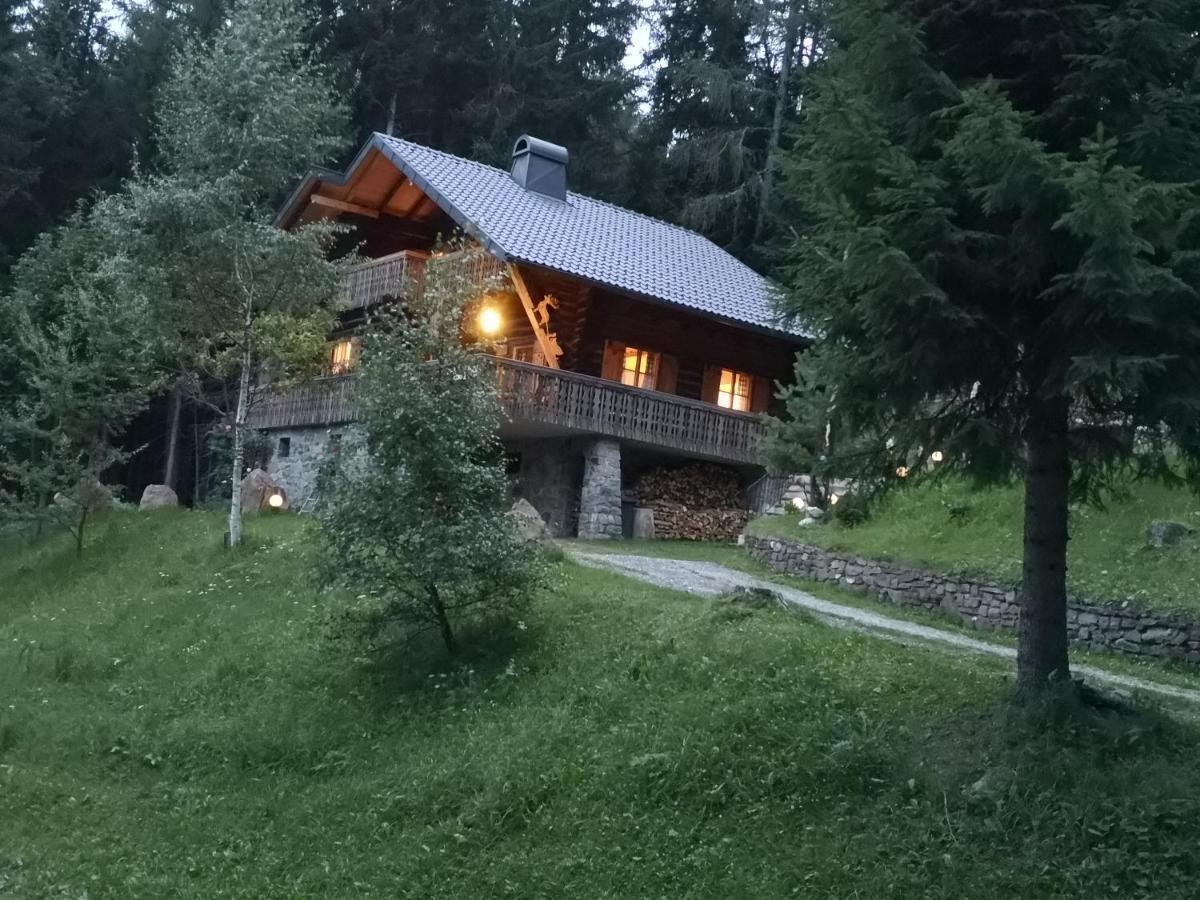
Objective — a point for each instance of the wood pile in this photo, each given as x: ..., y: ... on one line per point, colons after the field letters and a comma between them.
x: 700, y: 502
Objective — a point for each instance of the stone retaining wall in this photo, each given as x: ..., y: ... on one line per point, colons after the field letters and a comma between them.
x: 1120, y: 627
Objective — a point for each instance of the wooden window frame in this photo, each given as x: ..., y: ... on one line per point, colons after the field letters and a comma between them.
x: 728, y: 394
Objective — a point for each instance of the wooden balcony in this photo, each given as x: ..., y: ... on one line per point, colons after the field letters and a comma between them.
x: 321, y: 401
x: 542, y: 401
x: 396, y: 275
x: 582, y: 404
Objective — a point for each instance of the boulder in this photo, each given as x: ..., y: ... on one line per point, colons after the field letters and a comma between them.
x: 757, y: 597
x: 527, y: 521
x: 257, y: 489
x: 158, y: 496
x: 91, y: 493
x: 643, y: 523
x: 1163, y: 533
x: 815, y: 513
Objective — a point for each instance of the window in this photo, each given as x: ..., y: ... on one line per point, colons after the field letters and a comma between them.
x: 639, y: 368
x: 734, y: 390
x: 285, y: 447
x: 342, y: 356
x: 526, y: 352
x: 335, y: 444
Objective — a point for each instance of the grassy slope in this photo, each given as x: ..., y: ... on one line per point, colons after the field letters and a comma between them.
x: 174, y: 723
x: 1108, y: 558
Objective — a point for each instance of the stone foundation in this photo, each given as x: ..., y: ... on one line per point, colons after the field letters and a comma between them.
x: 308, y: 451
x: 600, y: 498
x: 1119, y: 627
x: 549, y: 477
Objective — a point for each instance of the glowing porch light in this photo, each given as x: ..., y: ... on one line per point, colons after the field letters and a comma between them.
x: 902, y: 471
x: 937, y: 456
x: 275, y: 500
x: 833, y: 499
x: 490, y: 321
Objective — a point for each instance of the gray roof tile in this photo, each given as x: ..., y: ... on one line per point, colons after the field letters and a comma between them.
x: 588, y: 238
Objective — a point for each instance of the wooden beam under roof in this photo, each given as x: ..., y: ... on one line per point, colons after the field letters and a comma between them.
x: 343, y: 206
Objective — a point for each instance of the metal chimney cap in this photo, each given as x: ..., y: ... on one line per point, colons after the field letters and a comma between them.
x: 528, y: 144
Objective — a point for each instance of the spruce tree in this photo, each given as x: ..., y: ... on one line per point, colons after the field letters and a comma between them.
x: 999, y: 248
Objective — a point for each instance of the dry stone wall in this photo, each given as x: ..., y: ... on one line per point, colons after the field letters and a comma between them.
x: 1120, y: 627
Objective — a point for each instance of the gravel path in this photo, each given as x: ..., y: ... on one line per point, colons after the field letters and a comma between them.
x: 710, y: 580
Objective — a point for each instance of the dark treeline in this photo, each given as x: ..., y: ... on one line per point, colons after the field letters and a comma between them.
x: 685, y: 125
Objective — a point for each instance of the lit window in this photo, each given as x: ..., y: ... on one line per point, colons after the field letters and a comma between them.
x: 639, y: 368
x: 734, y: 391
x: 341, y: 356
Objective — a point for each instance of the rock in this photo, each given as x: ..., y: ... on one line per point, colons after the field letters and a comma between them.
x: 1163, y: 533
x: 527, y: 521
x: 754, y: 596
x: 257, y: 489
x: 643, y: 523
x: 158, y: 496
x: 992, y: 785
x: 91, y: 493
x: 815, y: 513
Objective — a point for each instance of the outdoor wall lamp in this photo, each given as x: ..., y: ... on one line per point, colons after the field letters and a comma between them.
x: 490, y: 321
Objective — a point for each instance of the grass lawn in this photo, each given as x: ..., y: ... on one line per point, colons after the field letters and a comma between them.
x: 175, y: 722
x: 1108, y: 556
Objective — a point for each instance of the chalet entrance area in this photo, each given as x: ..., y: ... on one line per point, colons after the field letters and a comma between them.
x: 619, y: 342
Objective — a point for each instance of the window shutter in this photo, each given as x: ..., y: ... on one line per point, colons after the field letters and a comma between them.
x: 668, y: 373
x: 760, y: 394
x: 711, y: 384
x: 614, y: 355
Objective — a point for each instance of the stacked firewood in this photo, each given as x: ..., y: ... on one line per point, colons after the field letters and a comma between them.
x: 699, y: 502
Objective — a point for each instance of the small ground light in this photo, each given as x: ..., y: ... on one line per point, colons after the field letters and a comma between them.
x: 937, y: 456
x: 902, y: 471
x: 275, y: 501
x: 833, y: 499
x: 490, y: 321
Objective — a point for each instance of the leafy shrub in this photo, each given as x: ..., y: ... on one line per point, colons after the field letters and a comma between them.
x: 415, y: 523
x: 852, y: 509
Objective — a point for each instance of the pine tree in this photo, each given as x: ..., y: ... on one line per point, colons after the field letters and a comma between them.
x: 1000, y: 242
x: 470, y: 77
x: 729, y: 75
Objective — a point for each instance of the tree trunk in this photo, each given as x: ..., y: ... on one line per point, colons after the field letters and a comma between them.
x: 80, y: 525
x: 1042, y: 632
x: 443, y: 622
x: 791, y: 29
x: 171, y: 466
x: 239, y: 453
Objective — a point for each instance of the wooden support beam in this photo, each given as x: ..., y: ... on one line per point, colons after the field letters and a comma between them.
x: 547, y: 342
x: 343, y: 206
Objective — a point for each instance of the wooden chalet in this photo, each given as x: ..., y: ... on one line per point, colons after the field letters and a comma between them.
x: 624, y: 342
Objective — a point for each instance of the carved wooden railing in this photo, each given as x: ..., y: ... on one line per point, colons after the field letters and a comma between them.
x: 566, y: 400
x: 583, y: 403
x: 321, y: 401
x: 396, y: 275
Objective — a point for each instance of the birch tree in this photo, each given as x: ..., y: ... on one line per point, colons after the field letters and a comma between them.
x: 241, y: 117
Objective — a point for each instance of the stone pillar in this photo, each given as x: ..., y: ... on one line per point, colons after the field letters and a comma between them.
x: 600, y: 498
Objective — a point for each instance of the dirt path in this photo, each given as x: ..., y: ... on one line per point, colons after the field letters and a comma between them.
x: 710, y: 580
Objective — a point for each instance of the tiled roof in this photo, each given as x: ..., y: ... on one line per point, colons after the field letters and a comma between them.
x: 593, y: 240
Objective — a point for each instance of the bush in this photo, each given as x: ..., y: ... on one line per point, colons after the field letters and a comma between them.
x: 852, y: 509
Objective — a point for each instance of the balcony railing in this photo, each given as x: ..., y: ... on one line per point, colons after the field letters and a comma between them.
x: 391, y: 276
x: 583, y: 403
x: 565, y: 401
x: 321, y: 401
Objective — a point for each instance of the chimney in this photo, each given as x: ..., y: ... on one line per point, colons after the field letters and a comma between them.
x: 540, y: 166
